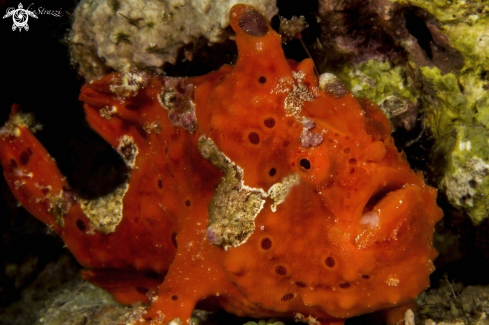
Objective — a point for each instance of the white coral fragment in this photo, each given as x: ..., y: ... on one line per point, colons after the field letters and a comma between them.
x: 111, y: 34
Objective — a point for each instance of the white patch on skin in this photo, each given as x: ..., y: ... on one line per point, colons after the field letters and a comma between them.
x: 297, y: 96
x: 105, y: 213
x: 297, y: 93
x: 107, y: 112
x: 128, y: 150
x: 234, y: 206
x: 392, y: 281
x: 128, y: 84
x: 278, y: 192
x: 370, y: 218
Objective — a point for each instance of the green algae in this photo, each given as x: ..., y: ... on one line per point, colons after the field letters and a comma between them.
x: 457, y: 113
x: 454, y: 102
x: 378, y: 80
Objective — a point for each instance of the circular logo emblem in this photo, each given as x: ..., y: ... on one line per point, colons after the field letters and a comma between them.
x: 20, y: 17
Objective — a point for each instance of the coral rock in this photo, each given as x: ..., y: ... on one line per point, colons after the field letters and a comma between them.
x: 251, y: 187
x: 112, y: 35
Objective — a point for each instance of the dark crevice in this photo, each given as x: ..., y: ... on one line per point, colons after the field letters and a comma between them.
x: 417, y: 27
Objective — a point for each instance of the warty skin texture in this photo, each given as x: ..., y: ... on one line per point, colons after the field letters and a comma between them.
x: 252, y: 187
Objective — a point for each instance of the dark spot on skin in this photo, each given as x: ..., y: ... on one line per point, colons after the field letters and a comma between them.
x: 174, y: 239
x: 330, y: 183
x: 329, y: 261
x: 142, y: 290
x: 13, y: 163
x: 153, y: 275
x: 352, y: 161
x: 272, y: 172
x: 174, y: 297
x: 281, y: 270
x: 346, y: 150
x: 160, y: 184
x: 305, y: 163
x: 269, y: 122
x: 266, y: 243
x: 365, y: 276
x: 187, y: 203
x: 288, y: 296
x: 29, y: 151
x: 136, y: 220
x: 81, y: 225
x: 254, y: 138
x: 132, y: 107
x: 345, y: 285
x: 352, y: 171
x: 253, y: 23
x: 301, y: 284
x: 262, y: 80
x: 285, y: 143
x: 24, y: 158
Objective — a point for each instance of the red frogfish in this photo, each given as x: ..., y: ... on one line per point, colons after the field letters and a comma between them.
x: 258, y: 187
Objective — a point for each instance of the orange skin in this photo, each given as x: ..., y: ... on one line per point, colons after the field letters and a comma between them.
x: 315, y: 255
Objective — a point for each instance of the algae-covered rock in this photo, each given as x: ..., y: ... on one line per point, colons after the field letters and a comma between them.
x: 457, y: 114
x: 430, y: 57
x: 452, y: 304
x: 83, y: 304
x: 391, y: 87
x: 464, y: 24
x: 456, y: 105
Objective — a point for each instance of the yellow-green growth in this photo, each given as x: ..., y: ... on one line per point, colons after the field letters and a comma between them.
x: 378, y: 81
x: 458, y: 114
x: 465, y: 23
x: 105, y: 213
x: 234, y: 207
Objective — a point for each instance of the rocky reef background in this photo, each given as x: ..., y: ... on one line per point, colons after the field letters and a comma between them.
x: 425, y: 63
